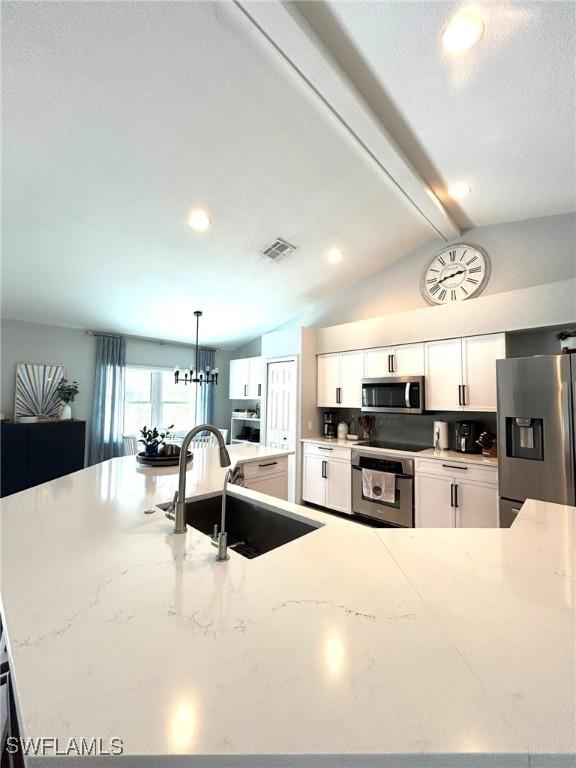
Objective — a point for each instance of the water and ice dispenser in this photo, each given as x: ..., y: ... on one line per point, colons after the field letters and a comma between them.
x: 525, y: 438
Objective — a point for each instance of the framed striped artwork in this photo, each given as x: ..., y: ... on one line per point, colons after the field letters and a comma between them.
x: 36, y: 390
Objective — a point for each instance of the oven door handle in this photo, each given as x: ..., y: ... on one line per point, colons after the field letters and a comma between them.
x: 397, y: 475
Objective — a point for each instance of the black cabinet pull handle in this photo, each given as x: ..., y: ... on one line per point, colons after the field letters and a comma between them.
x: 453, y: 466
x: 452, y: 495
x: 269, y: 464
x: 245, y: 390
x: 259, y: 390
x: 324, y: 448
x: 464, y: 393
x: 338, y: 395
x: 324, y: 470
x: 389, y: 364
x: 456, y: 495
x: 459, y: 394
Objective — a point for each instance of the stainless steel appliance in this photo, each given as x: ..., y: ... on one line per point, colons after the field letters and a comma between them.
x: 394, y: 394
x: 466, y: 433
x: 536, y: 448
x: 329, y: 423
x: 398, y: 513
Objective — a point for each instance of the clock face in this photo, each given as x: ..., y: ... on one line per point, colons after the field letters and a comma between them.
x: 456, y: 273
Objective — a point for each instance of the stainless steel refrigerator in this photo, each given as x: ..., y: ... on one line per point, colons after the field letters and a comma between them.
x: 536, y: 441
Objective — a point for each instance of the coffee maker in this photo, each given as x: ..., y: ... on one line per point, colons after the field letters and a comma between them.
x: 466, y: 433
x: 329, y: 424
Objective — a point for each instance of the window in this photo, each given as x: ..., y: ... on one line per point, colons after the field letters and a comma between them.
x: 153, y: 399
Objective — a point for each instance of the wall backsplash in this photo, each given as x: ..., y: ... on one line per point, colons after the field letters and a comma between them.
x: 413, y: 430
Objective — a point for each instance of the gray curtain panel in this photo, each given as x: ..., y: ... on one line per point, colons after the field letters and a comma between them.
x: 108, y: 407
x: 205, y: 397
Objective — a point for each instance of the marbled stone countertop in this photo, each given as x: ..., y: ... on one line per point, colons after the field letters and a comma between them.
x: 349, y: 646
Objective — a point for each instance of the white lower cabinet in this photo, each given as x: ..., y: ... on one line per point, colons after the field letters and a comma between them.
x: 327, y: 481
x: 433, y: 502
x: 268, y: 476
x: 453, y: 494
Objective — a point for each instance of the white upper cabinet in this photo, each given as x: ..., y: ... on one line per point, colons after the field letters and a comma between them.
x: 245, y: 378
x: 444, y: 375
x: 403, y: 360
x: 328, y: 380
x: 461, y: 373
x: 408, y: 360
x: 351, y: 375
x: 340, y: 380
x: 254, y: 377
x: 378, y: 362
x: 479, y: 355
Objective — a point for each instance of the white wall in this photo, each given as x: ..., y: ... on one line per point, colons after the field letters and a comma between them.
x: 523, y: 254
x: 22, y: 342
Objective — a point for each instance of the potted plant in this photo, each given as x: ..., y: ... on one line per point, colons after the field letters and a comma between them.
x: 153, y: 439
x: 567, y: 339
x: 66, y: 393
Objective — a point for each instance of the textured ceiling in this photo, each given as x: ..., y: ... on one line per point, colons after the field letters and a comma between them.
x: 118, y: 117
x: 500, y: 117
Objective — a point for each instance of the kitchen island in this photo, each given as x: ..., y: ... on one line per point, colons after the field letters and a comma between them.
x: 348, y: 646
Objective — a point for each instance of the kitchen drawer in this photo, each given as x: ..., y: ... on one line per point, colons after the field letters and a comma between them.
x: 456, y: 468
x: 328, y: 451
x: 264, y: 467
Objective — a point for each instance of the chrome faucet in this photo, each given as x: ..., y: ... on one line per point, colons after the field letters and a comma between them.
x: 180, y: 498
x: 220, y: 540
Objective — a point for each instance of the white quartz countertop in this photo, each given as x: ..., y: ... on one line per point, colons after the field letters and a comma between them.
x: 349, y: 646
x: 424, y: 453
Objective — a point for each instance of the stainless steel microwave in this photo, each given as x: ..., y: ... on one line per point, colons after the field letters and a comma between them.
x: 393, y: 394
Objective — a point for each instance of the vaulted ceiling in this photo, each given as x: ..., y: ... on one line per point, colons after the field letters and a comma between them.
x: 328, y: 126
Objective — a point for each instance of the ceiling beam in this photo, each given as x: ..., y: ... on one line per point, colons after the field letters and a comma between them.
x: 312, y: 64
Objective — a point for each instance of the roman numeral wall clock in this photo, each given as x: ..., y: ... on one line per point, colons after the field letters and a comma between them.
x: 456, y: 273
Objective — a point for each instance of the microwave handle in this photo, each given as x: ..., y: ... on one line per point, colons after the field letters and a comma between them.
x: 407, y: 394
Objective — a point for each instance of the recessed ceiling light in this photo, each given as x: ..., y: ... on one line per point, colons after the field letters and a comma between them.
x: 462, y: 33
x: 199, y: 220
x: 459, y: 190
x: 335, y: 255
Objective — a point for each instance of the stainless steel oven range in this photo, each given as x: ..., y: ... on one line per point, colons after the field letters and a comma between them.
x: 400, y: 512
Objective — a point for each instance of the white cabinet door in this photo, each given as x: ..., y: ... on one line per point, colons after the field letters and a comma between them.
x: 275, y: 485
x: 313, y: 483
x: 339, y: 486
x: 254, y: 377
x: 239, y: 376
x: 477, y: 505
x: 378, y: 362
x: 479, y: 355
x: 328, y: 380
x: 434, y: 501
x: 351, y: 375
x: 444, y: 375
x: 408, y: 360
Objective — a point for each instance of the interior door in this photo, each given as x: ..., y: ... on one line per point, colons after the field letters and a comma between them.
x: 281, y: 405
x: 351, y: 375
x: 313, y: 482
x: 444, y: 375
x: 479, y: 355
x: 328, y: 380
x: 477, y: 505
x: 408, y: 360
x: 378, y: 362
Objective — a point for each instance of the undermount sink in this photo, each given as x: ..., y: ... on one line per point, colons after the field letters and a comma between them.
x: 253, y: 529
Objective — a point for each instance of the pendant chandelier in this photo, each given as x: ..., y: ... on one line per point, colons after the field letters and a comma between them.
x: 194, y: 375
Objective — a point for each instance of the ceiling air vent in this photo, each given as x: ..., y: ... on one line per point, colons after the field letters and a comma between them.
x: 278, y: 250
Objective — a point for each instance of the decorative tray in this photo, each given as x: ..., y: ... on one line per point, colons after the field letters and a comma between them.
x: 161, y: 461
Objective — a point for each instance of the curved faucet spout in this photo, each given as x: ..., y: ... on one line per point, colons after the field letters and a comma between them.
x: 180, y: 518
